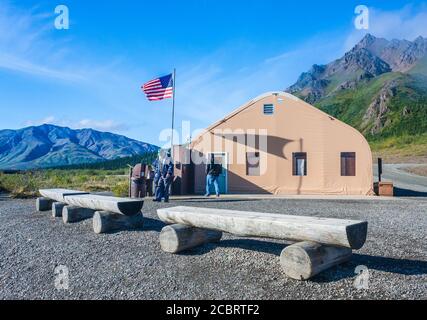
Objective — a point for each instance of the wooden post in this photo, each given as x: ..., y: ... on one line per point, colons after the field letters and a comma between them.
x: 303, y: 260
x: 43, y: 204
x: 176, y: 238
x: 57, y: 208
x: 104, y: 221
x: 72, y: 214
x: 130, y: 181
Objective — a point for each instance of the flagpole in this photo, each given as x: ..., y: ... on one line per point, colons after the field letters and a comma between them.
x: 173, y: 111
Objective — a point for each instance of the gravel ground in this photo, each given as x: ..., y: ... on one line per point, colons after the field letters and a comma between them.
x: 130, y: 264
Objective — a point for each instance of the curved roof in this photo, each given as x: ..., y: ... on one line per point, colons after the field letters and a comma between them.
x: 267, y: 94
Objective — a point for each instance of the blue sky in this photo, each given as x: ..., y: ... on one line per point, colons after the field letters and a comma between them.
x: 225, y: 52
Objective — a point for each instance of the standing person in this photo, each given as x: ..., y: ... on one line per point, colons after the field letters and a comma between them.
x: 149, y: 174
x: 213, y: 171
x: 163, y: 177
x: 156, y: 178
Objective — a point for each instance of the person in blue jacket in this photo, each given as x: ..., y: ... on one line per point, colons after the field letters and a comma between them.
x: 213, y: 171
x: 163, y: 176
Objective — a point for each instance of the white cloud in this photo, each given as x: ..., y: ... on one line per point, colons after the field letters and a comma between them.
x: 47, y: 120
x: 407, y: 23
x: 208, y: 90
x: 25, y: 46
x: 14, y: 63
x: 101, y: 125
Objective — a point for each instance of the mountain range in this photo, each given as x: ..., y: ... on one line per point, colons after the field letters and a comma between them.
x: 50, y: 146
x: 378, y: 87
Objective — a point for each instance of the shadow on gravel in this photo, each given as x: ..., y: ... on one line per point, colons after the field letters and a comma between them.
x: 149, y: 225
x: 254, y: 245
x: 207, y: 200
x: 246, y: 244
x: 347, y: 270
x: 152, y: 225
x: 398, y: 192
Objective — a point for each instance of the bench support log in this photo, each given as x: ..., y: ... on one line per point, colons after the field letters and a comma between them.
x: 303, y: 260
x: 57, y: 208
x: 72, y: 214
x: 176, y: 238
x: 104, y: 221
x: 43, y: 204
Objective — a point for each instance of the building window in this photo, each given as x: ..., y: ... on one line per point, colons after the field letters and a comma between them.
x: 253, y: 164
x: 268, y: 109
x: 300, y: 164
x: 348, y: 164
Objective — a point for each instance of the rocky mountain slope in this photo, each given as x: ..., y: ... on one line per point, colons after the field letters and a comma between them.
x: 379, y: 87
x: 49, y: 145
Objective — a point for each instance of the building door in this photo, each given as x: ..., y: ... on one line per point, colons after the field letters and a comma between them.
x: 222, y: 158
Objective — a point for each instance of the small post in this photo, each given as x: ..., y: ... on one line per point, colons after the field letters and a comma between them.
x: 44, y: 204
x: 130, y: 181
x: 380, y: 169
x: 173, y: 111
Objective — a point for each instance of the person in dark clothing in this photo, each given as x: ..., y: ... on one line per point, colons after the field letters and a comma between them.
x: 213, y: 171
x: 149, y: 174
x: 163, y: 177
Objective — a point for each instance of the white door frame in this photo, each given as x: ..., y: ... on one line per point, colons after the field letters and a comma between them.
x: 225, y: 154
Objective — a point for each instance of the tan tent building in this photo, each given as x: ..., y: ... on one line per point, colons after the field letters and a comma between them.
x: 279, y: 144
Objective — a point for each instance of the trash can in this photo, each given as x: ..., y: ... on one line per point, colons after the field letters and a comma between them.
x: 137, y: 188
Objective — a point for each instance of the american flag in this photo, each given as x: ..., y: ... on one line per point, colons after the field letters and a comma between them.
x: 159, y: 88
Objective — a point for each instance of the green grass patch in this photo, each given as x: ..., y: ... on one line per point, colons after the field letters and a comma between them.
x: 26, y: 184
x: 405, y: 146
x: 109, y: 176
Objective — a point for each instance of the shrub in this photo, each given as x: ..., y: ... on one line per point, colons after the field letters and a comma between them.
x: 121, y: 189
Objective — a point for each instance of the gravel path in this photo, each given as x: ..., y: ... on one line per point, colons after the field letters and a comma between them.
x: 130, y: 264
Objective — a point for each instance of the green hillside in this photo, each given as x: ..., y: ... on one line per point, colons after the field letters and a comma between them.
x: 378, y: 87
x: 404, y: 132
x: 407, y: 113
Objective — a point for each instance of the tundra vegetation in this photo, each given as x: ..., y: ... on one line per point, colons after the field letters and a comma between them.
x: 111, y: 176
x: 378, y: 87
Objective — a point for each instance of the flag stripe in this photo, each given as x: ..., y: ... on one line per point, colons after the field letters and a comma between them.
x: 159, y: 95
x: 155, y: 84
x: 152, y: 81
x: 159, y: 88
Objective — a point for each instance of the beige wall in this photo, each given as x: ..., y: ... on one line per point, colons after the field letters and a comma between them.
x: 295, y: 127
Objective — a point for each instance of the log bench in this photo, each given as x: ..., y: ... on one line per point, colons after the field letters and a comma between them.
x: 320, y: 243
x: 108, y: 213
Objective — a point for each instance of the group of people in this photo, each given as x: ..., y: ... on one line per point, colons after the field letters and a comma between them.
x: 163, y: 176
